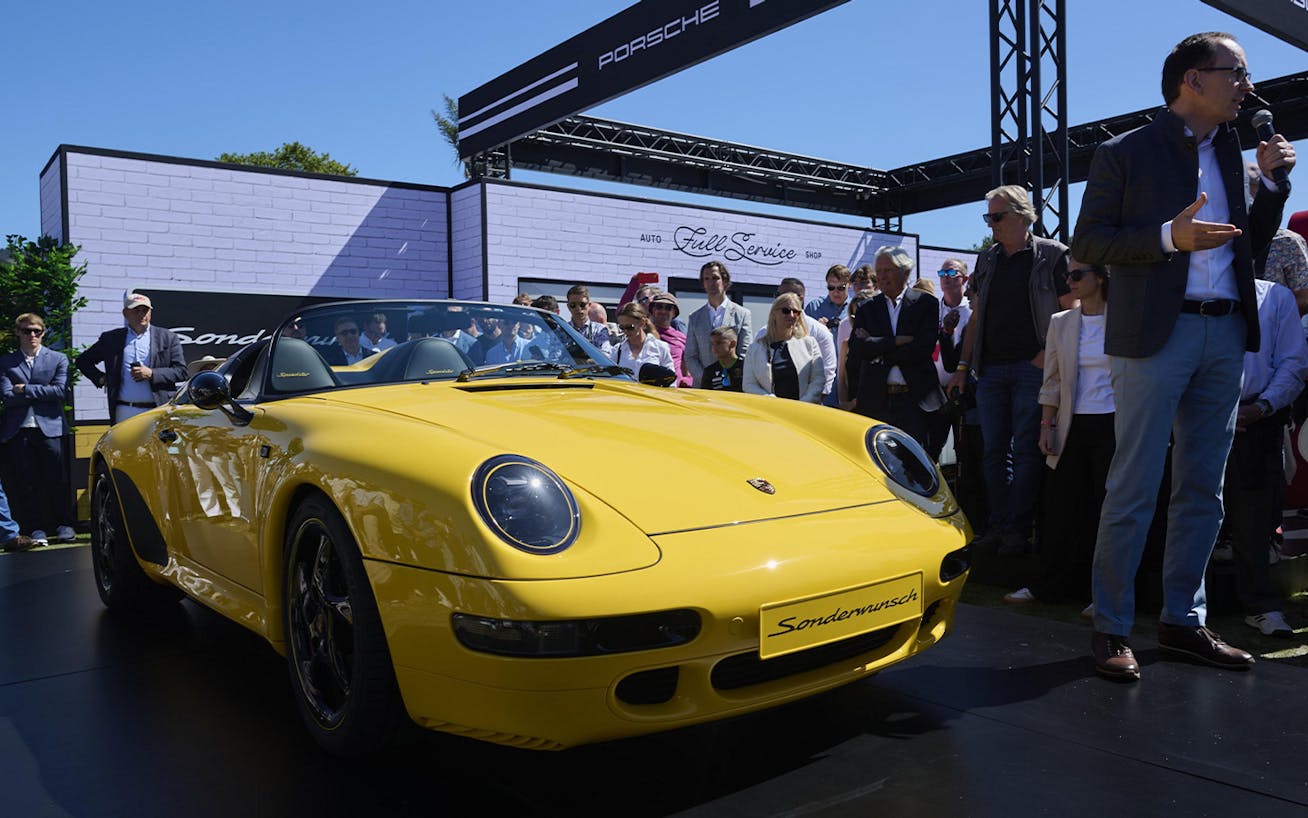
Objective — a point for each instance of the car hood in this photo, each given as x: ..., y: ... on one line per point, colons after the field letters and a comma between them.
x: 667, y: 459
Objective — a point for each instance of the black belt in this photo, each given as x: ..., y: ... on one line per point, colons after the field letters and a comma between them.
x: 134, y: 404
x: 1211, y: 308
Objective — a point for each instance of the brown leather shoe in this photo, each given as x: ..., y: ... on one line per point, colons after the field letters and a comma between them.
x: 1113, y: 657
x: 1201, y: 644
x: 20, y: 543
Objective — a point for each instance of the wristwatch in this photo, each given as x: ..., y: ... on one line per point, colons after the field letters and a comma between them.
x: 1264, y: 407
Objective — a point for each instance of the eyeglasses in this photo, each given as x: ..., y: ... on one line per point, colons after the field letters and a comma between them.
x: 578, y: 305
x: 31, y: 331
x: 994, y: 218
x: 1080, y: 273
x: 628, y: 327
x: 1239, y: 74
x: 831, y: 288
x: 788, y: 311
x: 945, y: 273
x: 347, y: 332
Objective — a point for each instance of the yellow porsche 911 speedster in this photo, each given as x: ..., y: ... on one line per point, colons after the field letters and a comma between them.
x: 501, y: 534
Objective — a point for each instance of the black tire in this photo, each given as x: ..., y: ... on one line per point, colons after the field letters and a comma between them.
x: 122, y: 584
x: 340, y: 666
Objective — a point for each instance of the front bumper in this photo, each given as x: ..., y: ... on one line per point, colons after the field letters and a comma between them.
x: 726, y: 574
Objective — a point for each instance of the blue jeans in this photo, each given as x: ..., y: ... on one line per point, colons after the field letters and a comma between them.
x: 1189, y: 389
x: 1007, y: 400
x: 8, y: 528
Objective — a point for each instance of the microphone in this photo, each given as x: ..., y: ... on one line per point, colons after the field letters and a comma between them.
x: 1262, y: 125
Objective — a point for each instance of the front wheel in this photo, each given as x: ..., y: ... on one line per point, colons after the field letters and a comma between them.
x: 123, y: 586
x: 340, y: 666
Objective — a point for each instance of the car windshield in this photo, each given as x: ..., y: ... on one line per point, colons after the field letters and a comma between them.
x: 365, y: 343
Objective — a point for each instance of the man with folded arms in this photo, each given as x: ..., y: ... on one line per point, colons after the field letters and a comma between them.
x: 1164, y: 209
x: 34, y: 386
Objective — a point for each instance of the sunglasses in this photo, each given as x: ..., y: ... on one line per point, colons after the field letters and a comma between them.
x: 831, y: 288
x: 31, y: 331
x: 788, y: 311
x: 994, y: 218
x: 578, y: 305
x: 628, y: 327
x: 663, y: 307
x: 1239, y: 74
x: 949, y: 273
x: 1081, y: 272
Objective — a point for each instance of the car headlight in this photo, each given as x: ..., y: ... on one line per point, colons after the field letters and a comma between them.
x: 526, y: 504
x: 903, y: 460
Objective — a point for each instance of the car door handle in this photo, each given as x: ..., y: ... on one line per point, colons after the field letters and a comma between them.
x: 168, y: 436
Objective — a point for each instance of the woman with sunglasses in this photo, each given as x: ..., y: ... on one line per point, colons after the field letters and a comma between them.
x: 789, y: 363
x: 1076, y: 437
x: 640, y: 342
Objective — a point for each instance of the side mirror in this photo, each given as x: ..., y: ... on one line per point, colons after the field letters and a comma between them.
x: 209, y: 390
x: 655, y: 375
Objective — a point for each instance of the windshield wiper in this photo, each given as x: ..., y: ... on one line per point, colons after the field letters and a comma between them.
x: 513, y: 369
x: 595, y: 369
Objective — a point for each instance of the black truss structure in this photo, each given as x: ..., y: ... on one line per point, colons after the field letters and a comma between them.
x: 620, y: 152
x: 1028, y: 106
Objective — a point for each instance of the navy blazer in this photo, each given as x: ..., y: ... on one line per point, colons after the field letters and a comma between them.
x: 45, y: 387
x: 870, y: 359
x: 1139, y: 181
x: 166, y: 360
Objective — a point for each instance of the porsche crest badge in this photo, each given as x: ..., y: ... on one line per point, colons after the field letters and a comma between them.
x: 762, y: 485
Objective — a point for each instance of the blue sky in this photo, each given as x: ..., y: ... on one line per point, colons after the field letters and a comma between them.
x: 881, y: 84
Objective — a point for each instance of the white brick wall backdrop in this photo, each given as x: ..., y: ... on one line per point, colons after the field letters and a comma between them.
x: 153, y: 223
x: 171, y: 224
x: 465, y: 241
x: 568, y: 236
x: 51, y: 202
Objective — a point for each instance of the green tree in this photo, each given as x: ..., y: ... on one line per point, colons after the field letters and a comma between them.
x: 985, y: 242
x: 448, y: 123
x: 40, y: 276
x: 292, y: 156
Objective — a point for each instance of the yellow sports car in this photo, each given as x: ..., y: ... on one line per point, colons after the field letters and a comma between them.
x: 503, y: 535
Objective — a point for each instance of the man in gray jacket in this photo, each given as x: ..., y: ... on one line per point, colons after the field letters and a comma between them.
x: 718, y: 312
x: 1020, y: 280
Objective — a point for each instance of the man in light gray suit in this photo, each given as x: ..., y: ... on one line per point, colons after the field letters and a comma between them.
x: 718, y: 312
x: 34, y: 385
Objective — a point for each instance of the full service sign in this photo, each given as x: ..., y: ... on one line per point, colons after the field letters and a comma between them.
x: 643, y: 43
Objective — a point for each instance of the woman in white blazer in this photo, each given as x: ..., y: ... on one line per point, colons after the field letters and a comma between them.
x: 786, y: 362
x: 1076, y: 436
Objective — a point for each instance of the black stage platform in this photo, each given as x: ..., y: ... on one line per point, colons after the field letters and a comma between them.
x: 191, y: 716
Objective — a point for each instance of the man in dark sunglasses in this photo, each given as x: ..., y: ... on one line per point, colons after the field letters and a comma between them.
x: 1020, y: 281
x: 34, y: 385
x: 1182, y: 313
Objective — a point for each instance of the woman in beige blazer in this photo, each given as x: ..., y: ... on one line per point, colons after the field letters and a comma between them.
x: 1076, y: 437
